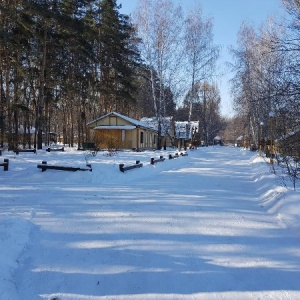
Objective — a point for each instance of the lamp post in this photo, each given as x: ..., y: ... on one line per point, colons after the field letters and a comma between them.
x: 260, y: 139
x: 271, y: 116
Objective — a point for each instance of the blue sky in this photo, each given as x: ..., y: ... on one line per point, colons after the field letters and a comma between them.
x: 227, y: 17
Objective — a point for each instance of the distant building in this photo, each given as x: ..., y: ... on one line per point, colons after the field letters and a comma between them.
x: 186, y: 133
x: 31, y: 130
x: 186, y: 130
x: 26, y: 136
x: 167, y: 129
x: 218, y: 140
x: 240, y: 141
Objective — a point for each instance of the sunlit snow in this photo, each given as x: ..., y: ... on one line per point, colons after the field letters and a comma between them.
x: 216, y: 224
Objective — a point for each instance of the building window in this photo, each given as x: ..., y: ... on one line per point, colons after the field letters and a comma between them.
x: 142, y: 137
x: 123, y: 135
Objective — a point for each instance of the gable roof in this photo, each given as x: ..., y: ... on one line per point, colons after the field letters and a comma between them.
x: 166, y: 124
x: 184, y: 129
x: 134, y: 122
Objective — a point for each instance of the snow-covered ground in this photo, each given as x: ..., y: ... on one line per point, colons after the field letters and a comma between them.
x: 216, y: 224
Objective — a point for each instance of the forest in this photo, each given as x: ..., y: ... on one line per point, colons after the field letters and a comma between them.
x: 266, y: 86
x: 64, y: 63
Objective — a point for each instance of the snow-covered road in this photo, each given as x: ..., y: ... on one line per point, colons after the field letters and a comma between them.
x: 191, y: 228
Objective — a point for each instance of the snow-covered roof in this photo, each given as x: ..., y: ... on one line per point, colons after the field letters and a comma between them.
x: 21, y: 129
x: 31, y: 131
x: 130, y: 120
x: 184, y: 129
x: 122, y: 127
x: 166, y: 123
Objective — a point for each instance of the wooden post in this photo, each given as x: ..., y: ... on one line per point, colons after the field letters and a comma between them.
x: 44, y: 163
x: 6, y: 163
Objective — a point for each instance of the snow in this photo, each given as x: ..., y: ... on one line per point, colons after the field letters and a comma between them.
x: 216, y: 224
x: 122, y: 127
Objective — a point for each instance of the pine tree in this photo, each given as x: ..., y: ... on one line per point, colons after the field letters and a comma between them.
x: 118, y: 58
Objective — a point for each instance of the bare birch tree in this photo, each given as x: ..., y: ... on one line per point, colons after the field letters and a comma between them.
x: 201, y: 53
x: 159, y: 25
x: 257, y: 81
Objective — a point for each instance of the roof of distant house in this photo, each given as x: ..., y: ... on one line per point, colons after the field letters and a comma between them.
x: 128, y: 119
x: 166, y: 123
x: 31, y: 131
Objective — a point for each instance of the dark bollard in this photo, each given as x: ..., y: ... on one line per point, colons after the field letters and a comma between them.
x: 153, y: 161
x: 44, y: 163
x: 6, y: 163
x: 136, y: 165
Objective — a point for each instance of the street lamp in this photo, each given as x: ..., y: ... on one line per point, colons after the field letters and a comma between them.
x: 271, y: 116
x: 261, y: 139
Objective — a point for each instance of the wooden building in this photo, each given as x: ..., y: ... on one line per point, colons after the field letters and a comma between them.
x: 187, y: 134
x: 240, y: 141
x: 116, y: 131
x: 167, y: 129
x: 218, y: 140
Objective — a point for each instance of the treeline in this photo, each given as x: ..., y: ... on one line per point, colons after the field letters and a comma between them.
x: 266, y: 89
x: 65, y: 62
x: 266, y: 85
x: 62, y: 63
